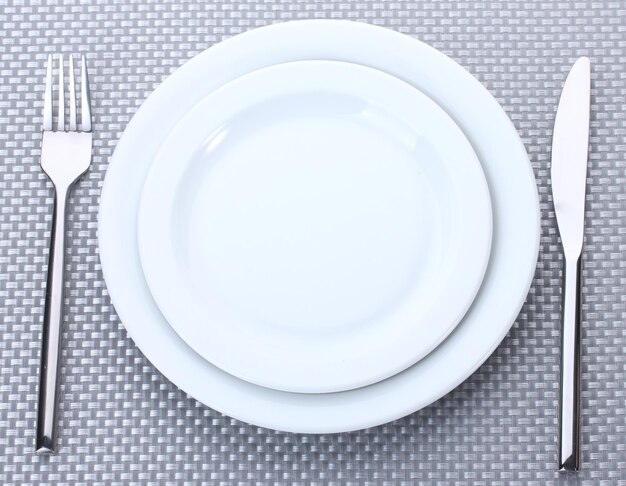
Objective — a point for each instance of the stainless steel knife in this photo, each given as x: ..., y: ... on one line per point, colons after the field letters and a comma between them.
x: 569, y: 175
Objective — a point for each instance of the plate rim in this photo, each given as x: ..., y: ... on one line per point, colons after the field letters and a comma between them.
x: 167, y: 283
x: 335, y: 413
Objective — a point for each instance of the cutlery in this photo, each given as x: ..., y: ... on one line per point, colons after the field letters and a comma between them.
x: 65, y: 156
x: 569, y: 172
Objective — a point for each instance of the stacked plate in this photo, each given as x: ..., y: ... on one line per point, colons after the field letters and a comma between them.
x: 319, y: 226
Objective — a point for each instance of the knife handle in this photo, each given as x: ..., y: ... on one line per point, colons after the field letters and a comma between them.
x: 569, y: 446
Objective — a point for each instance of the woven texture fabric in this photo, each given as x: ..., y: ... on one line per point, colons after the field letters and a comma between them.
x: 122, y: 422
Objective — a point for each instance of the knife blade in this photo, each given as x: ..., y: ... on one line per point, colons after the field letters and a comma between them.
x: 569, y: 175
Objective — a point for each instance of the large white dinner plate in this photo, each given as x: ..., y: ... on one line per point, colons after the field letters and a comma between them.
x: 515, y: 225
x: 315, y: 226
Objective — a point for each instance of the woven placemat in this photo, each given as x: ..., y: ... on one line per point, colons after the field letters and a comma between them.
x: 122, y: 422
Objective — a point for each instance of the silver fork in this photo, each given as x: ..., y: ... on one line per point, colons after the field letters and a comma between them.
x: 65, y: 156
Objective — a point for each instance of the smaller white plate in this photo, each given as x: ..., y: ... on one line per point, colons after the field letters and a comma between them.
x: 315, y: 226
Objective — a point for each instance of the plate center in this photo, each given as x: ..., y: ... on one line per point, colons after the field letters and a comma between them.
x: 306, y: 215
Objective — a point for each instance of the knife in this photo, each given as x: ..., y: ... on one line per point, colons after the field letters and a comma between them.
x: 569, y: 174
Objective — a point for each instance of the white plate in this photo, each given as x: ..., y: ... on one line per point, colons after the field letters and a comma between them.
x: 315, y: 226
x: 503, y: 291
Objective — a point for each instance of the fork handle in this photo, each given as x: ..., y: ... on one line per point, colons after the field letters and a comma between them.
x: 569, y: 446
x: 53, y: 318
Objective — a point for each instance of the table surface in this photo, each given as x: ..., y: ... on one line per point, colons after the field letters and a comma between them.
x: 122, y: 422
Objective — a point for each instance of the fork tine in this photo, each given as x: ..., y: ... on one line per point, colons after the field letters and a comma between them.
x: 47, y: 97
x: 85, y: 109
x: 61, y: 113
x: 72, y: 88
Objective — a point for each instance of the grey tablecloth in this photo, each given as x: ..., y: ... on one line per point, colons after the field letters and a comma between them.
x: 124, y: 423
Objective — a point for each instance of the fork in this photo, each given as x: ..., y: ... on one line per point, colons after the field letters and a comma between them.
x: 65, y: 156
